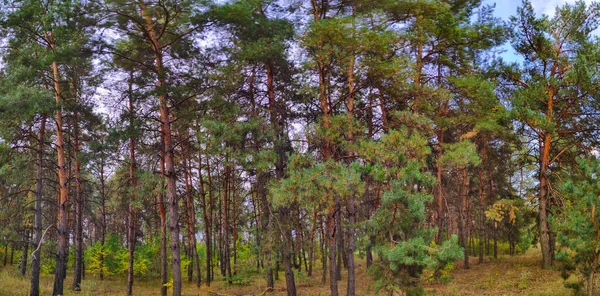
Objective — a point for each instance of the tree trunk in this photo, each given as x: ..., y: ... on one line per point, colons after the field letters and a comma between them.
x: 191, y: 222
x: 339, y: 238
x: 287, y: 239
x: 78, y: 273
x: 207, y: 211
x: 36, y: 256
x: 352, y: 218
x: 482, y: 201
x: 131, y: 235
x: 226, y: 244
x: 464, y: 219
x: 5, y: 254
x: 331, y: 233
x: 165, y: 119
x: 12, y: 253
x: 23, y: 266
x: 324, y: 254
x: 164, y: 274
x: 61, y: 254
x: 103, y: 207
x: 544, y: 226
x: 495, y: 240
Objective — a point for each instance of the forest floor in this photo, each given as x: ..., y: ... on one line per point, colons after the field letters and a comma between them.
x: 517, y: 275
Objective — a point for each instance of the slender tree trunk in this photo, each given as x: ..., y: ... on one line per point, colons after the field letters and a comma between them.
x: 331, y: 233
x: 439, y: 191
x: 545, y: 143
x: 23, y: 266
x: 311, y: 247
x: 226, y: 244
x: 482, y: 201
x: 12, y: 253
x: 544, y: 226
x: 36, y: 256
x: 234, y: 223
x: 349, y: 256
x: 324, y: 254
x: 131, y: 235
x: 352, y: 218
x: 103, y: 207
x: 495, y: 240
x: 191, y: 223
x: 591, y: 280
x: 339, y: 238
x: 207, y: 210
x: 164, y: 273
x: 165, y: 119
x: 5, y: 253
x: 61, y: 254
x: 464, y: 218
x: 78, y: 274
x: 287, y: 239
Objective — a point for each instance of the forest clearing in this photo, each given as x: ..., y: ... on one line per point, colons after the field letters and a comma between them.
x: 299, y: 147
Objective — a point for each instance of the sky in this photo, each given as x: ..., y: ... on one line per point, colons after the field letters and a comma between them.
x: 506, y: 8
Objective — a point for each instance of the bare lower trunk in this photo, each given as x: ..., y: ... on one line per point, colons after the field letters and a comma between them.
x: 78, y: 273
x: 352, y: 218
x: 132, y: 183
x: 23, y: 266
x: 464, y: 219
x: 164, y: 274
x: 63, y: 196
x: 36, y: 256
x: 289, y: 273
x: 207, y: 210
x: 331, y: 233
x: 543, y: 224
x: 592, y: 276
x: 324, y: 254
x: 165, y: 119
x: 482, y: 201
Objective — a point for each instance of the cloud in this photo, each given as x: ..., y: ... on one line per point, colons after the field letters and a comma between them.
x: 507, y: 8
x: 548, y: 7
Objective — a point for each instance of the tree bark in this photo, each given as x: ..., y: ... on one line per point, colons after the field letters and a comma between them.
x: 352, y: 218
x: 25, y: 250
x: 165, y: 119
x: 464, y: 219
x: 164, y: 274
x: 61, y: 254
x: 482, y: 201
x: 287, y: 239
x: 544, y: 226
x: 331, y: 233
x: 78, y: 274
x: 36, y: 256
x: 208, y: 210
x: 103, y: 208
x: 131, y: 235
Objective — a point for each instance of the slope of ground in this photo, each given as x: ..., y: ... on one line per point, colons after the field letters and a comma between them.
x: 518, y: 275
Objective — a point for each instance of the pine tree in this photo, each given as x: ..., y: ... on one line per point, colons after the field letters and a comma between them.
x: 552, y: 93
x: 578, y: 225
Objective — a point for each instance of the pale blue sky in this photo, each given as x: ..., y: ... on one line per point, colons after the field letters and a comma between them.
x: 506, y: 8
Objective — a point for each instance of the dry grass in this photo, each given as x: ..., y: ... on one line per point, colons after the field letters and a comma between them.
x: 519, y: 275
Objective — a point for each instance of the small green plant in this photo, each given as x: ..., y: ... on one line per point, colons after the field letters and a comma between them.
x: 524, y: 280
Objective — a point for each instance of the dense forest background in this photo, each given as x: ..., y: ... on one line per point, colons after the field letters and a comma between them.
x: 215, y: 141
